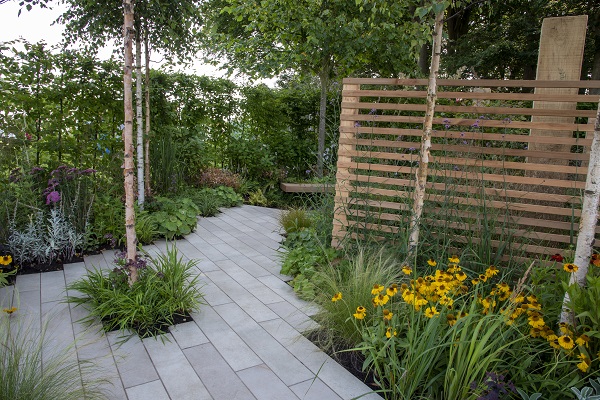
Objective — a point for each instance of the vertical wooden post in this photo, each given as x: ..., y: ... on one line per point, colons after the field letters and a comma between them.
x: 342, y: 186
x: 560, y: 57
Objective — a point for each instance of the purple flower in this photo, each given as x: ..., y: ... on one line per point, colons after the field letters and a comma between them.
x: 53, y: 197
x: 507, y: 120
x: 357, y: 124
x: 447, y: 123
x: 456, y: 168
x: 476, y: 124
x: 373, y: 111
x: 411, y: 149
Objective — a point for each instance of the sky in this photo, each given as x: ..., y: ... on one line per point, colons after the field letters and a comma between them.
x: 36, y: 25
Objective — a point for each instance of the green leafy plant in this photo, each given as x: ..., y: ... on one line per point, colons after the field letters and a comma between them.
x: 588, y: 393
x: 166, y: 286
x: 31, y: 370
x: 175, y: 217
x: 257, y: 198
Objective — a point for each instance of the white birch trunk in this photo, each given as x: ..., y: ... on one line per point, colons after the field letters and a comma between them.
x: 421, y: 173
x: 147, y: 189
x: 588, y: 220
x: 128, y: 165
x: 139, y: 120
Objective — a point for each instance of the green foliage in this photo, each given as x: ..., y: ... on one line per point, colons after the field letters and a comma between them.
x: 166, y: 286
x: 175, y: 217
x: 257, y: 198
x: 302, y: 256
x: 355, y: 279
x: 588, y: 393
x: 21, y: 374
x: 294, y: 220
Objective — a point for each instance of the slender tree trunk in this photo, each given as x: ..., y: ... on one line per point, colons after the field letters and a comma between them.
x: 128, y: 165
x: 147, y: 187
x: 588, y: 220
x: 139, y: 119
x: 421, y: 174
x: 324, y: 81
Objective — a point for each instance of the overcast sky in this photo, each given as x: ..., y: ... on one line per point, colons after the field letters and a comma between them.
x: 36, y: 25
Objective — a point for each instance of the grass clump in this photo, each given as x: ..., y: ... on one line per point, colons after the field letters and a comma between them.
x: 23, y: 376
x: 294, y: 220
x: 167, y: 286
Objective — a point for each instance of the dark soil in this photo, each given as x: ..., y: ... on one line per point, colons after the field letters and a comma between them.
x: 352, y: 360
x: 158, y: 328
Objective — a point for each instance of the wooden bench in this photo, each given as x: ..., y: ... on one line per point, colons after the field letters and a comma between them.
x: 307, y: 187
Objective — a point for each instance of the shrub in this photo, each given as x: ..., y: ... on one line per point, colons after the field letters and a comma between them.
x: 166, y: 286
x: 22, y: 376
x: 215, y: 177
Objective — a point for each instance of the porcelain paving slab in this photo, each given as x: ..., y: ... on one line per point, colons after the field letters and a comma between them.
x: 244, y: 342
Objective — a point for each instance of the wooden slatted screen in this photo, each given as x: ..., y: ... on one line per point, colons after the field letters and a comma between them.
x: 485, y: 184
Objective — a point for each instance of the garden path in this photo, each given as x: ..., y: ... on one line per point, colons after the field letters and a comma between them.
x: 245, y: 343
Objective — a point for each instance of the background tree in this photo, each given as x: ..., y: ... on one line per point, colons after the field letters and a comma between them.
x: 166, y: 26
x: 325, y: 39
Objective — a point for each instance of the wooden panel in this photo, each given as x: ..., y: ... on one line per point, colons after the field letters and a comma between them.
x: 560, y: 56
x: 377, y: 156
x: 471, y: 95
x: 476, y: 83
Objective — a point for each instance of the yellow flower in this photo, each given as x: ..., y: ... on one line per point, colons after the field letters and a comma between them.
x: 553, y: 340
x: 475, y: 281
x: 460, y: 276
x: 336, y: 297
x: 407, y: 270
x: 446, y: 301
x: 564, y: 328
x: 431, y: 262
x: 392, y: 290
x: 419, y: 302
x: 566, y: 342
x: 361, y: 312
x: 488, y: 302
x: 585, y: 363
x: 10, y: 310
x: 387, y: 314
x: 377, y: 288
x: 381, y: 299
x: 536, y: 321
x: 491, y: 271
x: 583, y: 340
x: 454, y: 259
x: 451, y: 319
x: 431, y: 312
x: 518, y: 298
x: 388, y: 332
x: 570, y: 268
x: 483, y: 277
x: 6, y: 260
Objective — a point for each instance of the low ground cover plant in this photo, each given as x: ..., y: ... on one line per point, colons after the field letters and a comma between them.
x: 167, y: 287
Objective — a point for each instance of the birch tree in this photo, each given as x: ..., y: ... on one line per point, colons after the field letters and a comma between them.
x: 138, y: 115
x: 587, y: 222
x: 421, y: 173
x: 128, y: 165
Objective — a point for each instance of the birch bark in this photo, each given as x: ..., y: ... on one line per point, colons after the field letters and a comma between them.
x: 128, y: 165
x: 421, y: 173
x: 139, y: 119
x: 588, y: 220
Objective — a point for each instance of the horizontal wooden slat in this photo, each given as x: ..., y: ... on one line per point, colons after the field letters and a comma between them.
x: 446, y: 159
x: 466, y: 135
x: 476, y: 177
x: 455, y: 188
x: 575, y: 98
x: 459, y: 122
x: 532, y: 224
x: 470, y: 109
x: 306, y: 187
x: 522, y: 233
x: 471, y: 150
x: 475, y: 83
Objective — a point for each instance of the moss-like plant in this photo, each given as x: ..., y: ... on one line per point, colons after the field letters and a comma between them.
x: 294, y: 220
